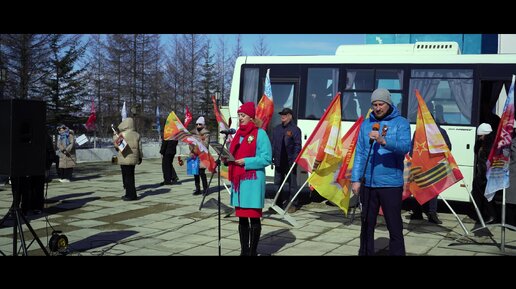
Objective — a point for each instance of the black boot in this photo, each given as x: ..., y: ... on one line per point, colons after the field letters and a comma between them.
x: 244, y: 240
x: 255, y: 238
x: 197, y: 187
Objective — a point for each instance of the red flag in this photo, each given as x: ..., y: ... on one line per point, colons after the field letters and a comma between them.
x: 433, y: 168
x: 188, y: 116
x: 265, y: 107
x: 223, y: 125
x: 90, y: 123
x: 318, y: 142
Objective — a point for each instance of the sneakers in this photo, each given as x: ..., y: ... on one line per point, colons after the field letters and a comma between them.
x: 126, y: 198
x: 197, y: 192
x: 64, y: 180
x: 432, y: 218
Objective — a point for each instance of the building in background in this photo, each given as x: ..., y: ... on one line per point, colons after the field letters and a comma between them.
x: 506, y: 43
x: 468, y: 43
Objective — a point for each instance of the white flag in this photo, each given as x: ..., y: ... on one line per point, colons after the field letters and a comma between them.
x: 124, y: 112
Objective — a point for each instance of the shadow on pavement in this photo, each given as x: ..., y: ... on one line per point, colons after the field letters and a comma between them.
x: 100, y: 240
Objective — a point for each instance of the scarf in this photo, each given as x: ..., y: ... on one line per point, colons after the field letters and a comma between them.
x: 245, y: 149
x: 63, y: 137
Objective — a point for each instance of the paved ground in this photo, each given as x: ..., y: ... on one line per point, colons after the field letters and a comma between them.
x: 166, y: 220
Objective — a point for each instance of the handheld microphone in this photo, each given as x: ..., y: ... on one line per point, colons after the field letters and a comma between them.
x: 376, y: 127
x: 228, y: 131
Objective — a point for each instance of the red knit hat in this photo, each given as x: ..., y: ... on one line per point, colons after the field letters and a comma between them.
x: 248, y: 108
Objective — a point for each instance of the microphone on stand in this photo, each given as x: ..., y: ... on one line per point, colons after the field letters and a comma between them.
x: 228, y: 131
x: 376, y: 127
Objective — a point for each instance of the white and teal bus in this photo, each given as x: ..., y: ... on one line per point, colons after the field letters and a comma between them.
x: 460, y: 90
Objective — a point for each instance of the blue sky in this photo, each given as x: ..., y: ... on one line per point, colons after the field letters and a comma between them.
x: 289, y: 44
x: 295, y: 44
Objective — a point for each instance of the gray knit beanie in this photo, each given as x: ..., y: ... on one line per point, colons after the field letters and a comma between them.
x: 381, y: 94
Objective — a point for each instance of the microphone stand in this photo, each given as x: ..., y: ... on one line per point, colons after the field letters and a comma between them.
x: 362, y: 187
x: 218, y: 195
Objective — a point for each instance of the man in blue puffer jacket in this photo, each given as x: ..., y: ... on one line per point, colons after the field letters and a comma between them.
x: 386, y: 136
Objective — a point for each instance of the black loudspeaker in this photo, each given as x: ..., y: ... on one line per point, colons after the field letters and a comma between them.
x: 22, y: 137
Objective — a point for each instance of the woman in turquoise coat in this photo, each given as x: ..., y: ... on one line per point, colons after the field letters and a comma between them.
x: 252, y: 151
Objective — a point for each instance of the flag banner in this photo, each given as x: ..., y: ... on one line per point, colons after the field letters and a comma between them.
x: 265, y: 107
x: 498, y: 161
x: 332, y: 178
x: 223, y: 125
x: 158, y: 124
x: 124, y: 112
x: 174, y: 130
x: 324, y: 138
x: 433, y: 167
x: 82, y: 139
x: 90, y: 123
x: 188, y: 116
x: 500, y: 103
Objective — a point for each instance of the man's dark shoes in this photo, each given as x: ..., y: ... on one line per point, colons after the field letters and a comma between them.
x: 197, y: 192
x: 432, y: 218
x: 126, y: 198
x: 175, y: 182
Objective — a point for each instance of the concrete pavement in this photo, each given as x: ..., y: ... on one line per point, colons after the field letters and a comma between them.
x: 165, y: 220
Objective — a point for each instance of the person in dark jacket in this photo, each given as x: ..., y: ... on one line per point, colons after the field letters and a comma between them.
x: 286, y: 145
x: 382, y: 172
x: 29, y: 191
x: 168, y: 152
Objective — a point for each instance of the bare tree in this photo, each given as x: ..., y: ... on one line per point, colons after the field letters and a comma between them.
x: 223, y: 70
x: 260, y: 47
x: 193, y: 47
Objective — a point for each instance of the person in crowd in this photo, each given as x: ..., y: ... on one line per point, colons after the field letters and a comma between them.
x: 252, y: 151
x: 286, y: 145
x: 168, y: 152
x: 377, y: 175
x: 67, y: 158
x: 482, y: 148
x: 204, y: 136
x: 29, y: 191
x: 430, y: 207
x: 128, y: 156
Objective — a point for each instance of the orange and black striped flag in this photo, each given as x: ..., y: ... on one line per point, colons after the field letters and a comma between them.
x: 433, y: 167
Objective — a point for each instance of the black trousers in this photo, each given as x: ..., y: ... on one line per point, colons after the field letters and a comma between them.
x: 128, y: 180
x: 197, y: 178
x: 65, y: 173
x: 285, y: 197
x: 390, y: 200
x: 28, y: 192
x: 167, y: 166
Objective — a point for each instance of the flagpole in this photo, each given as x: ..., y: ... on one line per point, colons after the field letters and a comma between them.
x: 455, y: 214
x: 475, y: 205
x: 95, y: 139
x: 503, y: 222
x: 295, y: 196
x: 274, y: 206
